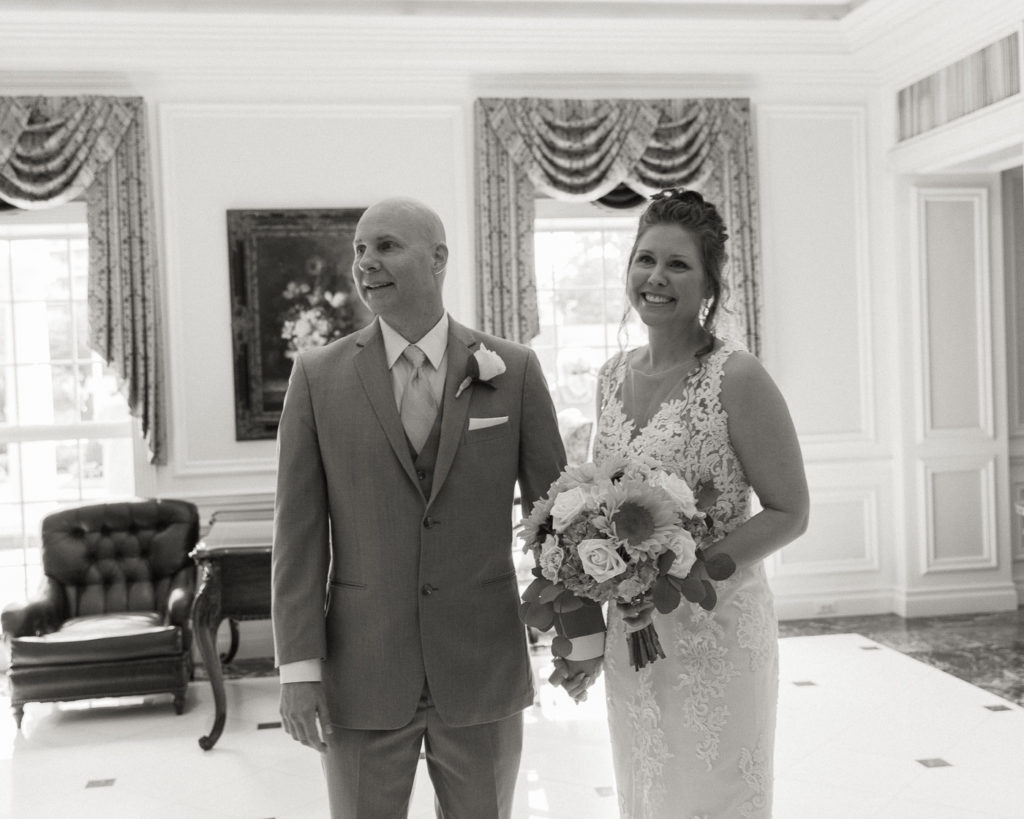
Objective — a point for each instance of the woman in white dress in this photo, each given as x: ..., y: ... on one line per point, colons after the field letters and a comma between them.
x: 693, y: 733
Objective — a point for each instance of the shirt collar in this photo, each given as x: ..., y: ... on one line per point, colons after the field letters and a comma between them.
x: 434, y: 343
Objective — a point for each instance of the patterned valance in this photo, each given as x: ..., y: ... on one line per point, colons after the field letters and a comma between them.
x: 582, y: 149
x: 56, y: 149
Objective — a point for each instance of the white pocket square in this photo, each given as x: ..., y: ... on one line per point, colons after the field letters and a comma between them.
x: 483, y: 423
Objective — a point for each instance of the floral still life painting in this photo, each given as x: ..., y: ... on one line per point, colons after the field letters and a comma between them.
x: 623, y: 532
x: 291, y: 290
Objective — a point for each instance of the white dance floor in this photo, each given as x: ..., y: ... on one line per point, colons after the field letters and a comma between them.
x: 864, y: 733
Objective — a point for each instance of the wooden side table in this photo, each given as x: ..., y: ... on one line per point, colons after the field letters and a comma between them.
x: 234, y: 584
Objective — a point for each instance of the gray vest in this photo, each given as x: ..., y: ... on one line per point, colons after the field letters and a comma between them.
x: 427, y: 459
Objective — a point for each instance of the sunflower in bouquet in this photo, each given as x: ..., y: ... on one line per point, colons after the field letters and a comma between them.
x: 623, y: 531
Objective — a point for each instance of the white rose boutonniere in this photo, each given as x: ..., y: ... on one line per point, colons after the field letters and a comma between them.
x: 483, y: 365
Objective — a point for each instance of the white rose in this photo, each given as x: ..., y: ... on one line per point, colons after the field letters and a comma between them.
x: 567, y: 506
x: 600, y: 560
x: 685, y: 548
x: 489, y: 363
x: 550, y: 559
x: 678, y: 490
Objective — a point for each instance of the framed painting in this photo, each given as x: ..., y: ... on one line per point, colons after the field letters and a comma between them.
x: 291, y: 289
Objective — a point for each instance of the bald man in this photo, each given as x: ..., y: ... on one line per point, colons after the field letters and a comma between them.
x: 394, y: 591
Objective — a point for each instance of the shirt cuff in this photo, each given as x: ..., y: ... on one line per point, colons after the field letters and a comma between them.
x: 300, y: 671
x: 587, y: 647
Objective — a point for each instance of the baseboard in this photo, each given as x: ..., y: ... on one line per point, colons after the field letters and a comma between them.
x: 834, y: 604
x: 958, y: 600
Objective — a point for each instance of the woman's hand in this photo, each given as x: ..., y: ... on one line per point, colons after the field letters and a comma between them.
x: 637, y: 613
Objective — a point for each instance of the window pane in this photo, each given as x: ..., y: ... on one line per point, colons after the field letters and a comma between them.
x: 68, y: 470
x: 39, y: 471
x: 10, y: 528
x: 65, y: 400
x: 5, y: 270
x: 105, y: 402
x: 579, y: 307
x: 40, y: 269
x: 10, y: 477
x: 617, y: 245
x: 8, y: 395
x: 35, y: 394
x: 31, y: 332
x: 58, y: 320
x: 79, y: 269
x: 81, y: 311
x: 107, y: 466
x: 543, y: 256
x: 6, y: 333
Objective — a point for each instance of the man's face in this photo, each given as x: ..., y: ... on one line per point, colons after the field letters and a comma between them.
x: 397, y: 264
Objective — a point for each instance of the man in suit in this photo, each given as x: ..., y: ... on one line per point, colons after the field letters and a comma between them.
x: 395, y: 604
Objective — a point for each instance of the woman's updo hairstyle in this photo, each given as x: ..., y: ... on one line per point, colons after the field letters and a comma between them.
x: 688, y: 209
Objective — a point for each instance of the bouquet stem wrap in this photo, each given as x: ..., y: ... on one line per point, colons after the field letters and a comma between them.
x: 644, y: 647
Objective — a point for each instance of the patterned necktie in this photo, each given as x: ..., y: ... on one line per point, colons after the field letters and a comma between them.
x: 418, y: 405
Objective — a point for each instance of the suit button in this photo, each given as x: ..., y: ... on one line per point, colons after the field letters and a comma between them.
x: 429, y: 523
x: 421, y: 474
x: 428, y: 590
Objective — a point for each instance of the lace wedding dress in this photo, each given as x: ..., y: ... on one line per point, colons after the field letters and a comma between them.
x: 692, y: 734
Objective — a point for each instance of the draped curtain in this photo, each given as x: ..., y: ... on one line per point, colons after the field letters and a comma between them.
x: 583, y: 149
x: 56, y: 149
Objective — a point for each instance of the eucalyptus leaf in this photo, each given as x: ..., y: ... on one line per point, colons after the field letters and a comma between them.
x: 533, y: 591
x: 710, y: 597
x: 549, y: 593
x: 540, y: 615
x: 720, y: 566
x: 665, y: 561
x: 561, y: 646
x: 666, y: 596
x: 567, y: 602
x: 692, y: 589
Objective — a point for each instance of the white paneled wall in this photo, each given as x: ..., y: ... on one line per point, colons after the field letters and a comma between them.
x: 957, y: 447
x: 821, y: 337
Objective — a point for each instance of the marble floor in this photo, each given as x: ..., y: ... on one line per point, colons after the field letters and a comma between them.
x: 879, y: 718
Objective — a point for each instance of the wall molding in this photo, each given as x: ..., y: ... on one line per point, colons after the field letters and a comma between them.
x: 988, y: 559
x: 867, y: 497
x: 978, y: 197
x: 855, y: 115
x: 946, y: 600
x: 834, y: 603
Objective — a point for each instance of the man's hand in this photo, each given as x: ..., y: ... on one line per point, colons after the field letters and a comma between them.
x: 576, y: 676
x: 304, y: 713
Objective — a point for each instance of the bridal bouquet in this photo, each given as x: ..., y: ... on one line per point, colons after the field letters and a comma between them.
x: 620, y: 532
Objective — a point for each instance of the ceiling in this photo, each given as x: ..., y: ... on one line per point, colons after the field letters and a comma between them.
x: 696, y: 9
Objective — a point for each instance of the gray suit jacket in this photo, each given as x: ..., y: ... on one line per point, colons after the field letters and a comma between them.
x: 390, y: 587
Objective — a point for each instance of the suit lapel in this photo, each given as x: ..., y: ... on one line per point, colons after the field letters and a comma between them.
x: 372, y: 366
x: 453, y: 422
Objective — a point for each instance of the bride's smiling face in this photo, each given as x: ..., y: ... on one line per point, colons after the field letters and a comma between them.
x: 666, y: 281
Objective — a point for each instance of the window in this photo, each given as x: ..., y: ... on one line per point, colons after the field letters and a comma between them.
x: 581, y: 254
x: 65, y: 431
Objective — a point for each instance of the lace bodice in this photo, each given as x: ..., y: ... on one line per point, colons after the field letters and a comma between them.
x: 689, y: 435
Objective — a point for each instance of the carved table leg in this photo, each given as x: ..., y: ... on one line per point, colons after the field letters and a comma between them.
x: 205, y: 619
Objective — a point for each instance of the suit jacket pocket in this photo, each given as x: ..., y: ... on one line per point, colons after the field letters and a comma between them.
x: 504, y: 577
x: 487, y: 433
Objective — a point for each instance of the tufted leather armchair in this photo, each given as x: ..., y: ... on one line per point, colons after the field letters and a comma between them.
x: 112, y: 614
